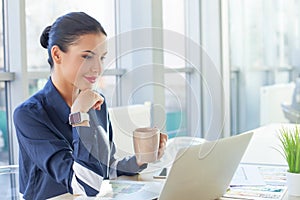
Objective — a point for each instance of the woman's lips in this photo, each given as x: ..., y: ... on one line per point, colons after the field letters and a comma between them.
x: 91, y: 79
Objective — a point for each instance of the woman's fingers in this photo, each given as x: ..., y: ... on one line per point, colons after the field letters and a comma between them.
x: 86, y: 100
x: 97, y: 105
x: 162, y: 144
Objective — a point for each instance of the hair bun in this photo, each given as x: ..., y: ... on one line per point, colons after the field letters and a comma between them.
x: 45, y: 37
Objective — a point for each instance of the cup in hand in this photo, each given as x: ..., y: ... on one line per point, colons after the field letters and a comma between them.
x: 146, y: 144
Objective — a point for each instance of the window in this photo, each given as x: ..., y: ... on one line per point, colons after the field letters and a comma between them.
x: 109, y: 13
x: 264, y: 47
x: 3, y: 107
x: 3, y: 126
x: 175, y: 81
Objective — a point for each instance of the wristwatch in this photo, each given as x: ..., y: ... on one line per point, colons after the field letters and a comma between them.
x: 78, y: 117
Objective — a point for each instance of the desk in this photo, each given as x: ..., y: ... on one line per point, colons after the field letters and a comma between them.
x: 264, y: 146
x: 261, y: 149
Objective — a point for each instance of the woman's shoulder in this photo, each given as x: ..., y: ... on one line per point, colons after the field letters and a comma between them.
x: 37, y: 100
x: 33, y: 104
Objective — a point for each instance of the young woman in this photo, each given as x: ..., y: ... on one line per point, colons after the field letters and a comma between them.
x: 64, y: 134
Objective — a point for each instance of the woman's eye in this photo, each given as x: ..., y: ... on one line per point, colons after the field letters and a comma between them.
x: 102, y: 58
x: 87, y: 57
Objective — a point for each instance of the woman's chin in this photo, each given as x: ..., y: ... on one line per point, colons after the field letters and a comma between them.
x: 85, y: 85
x: 82, y: 88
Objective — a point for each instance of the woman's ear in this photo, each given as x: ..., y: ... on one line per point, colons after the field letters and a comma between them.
x: 56, y: 54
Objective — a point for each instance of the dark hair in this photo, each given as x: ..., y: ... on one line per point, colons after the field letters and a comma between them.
x: 67, y: 29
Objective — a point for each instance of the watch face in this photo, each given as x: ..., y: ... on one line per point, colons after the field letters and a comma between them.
x: 75, y: 118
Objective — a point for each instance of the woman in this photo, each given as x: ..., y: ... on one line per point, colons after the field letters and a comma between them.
x: 64, y: 133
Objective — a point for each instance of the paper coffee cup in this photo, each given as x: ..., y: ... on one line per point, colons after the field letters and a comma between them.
x: 146, y: 144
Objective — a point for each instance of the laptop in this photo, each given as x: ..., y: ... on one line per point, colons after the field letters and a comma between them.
x: 204, y: 171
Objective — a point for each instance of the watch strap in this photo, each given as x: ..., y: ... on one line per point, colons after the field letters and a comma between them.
x: 78, y: 117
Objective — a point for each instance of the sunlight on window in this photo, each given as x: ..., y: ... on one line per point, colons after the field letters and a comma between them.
x: 264, y: 50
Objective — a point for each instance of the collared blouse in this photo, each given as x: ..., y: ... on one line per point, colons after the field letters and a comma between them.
x: 56, y: 158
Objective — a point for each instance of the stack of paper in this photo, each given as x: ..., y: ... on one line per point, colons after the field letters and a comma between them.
x: 260, y: 182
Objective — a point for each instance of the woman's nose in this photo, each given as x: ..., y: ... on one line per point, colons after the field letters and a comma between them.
x: 97, y: 67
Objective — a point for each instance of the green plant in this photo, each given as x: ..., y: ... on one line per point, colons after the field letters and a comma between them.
x: 290, y: 140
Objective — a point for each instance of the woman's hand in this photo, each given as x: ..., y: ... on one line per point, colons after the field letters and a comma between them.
x: 86, y: 100
x: 162, y: 144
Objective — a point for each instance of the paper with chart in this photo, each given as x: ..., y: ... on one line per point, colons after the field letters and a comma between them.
x: 247, y: 175
x: 127, y: 190
x: 274, y: 188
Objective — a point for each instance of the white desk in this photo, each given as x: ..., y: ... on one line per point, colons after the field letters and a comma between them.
x: 264, y: 146
x: 262, y: 150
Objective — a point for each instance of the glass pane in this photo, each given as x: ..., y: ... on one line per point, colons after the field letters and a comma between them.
x: 107, y: 86
x: 173, y: 15
x: 264, y: 47
x: 3, y: 127
x: 1, y: 42
x: 175, y: 83
x: 173, y: 20
x: 175, y: 91
x: 40, y: 14
x: 9, y: 181
x: 3, y: 117
x: 36, y: 84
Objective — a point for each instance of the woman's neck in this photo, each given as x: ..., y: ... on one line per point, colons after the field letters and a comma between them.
x: 66, y: 90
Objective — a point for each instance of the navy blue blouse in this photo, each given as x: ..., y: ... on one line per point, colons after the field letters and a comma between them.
x: 55, y: 158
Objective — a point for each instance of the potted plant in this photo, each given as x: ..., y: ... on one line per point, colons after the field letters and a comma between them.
x: 290, y: 141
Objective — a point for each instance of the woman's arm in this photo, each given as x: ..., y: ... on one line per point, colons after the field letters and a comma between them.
x: 73, y: 166
x: 121, y: 166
